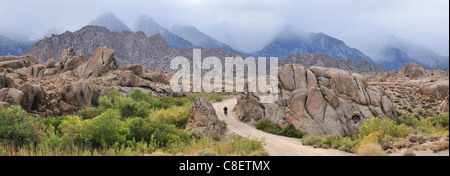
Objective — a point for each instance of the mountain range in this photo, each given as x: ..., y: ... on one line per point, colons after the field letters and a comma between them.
x: 289, y: 42
x: 110, y: 21
x: 150, y: 27
x: 131, y: 47
x: 397, y: 52
x: 292, y: 41
x: 12, y: 47
x: 199, y: 38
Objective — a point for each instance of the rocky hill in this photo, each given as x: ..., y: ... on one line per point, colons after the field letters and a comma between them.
x: 130, y: 48
x: 62, y: 88
x: 323, y: 60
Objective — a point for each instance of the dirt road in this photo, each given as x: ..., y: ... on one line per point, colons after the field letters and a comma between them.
x: 275, y: 145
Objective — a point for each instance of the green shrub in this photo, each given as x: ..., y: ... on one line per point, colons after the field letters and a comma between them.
x: 386, y: 127
x: 17, y: 128
x: 158, y: 135
x: 265, y: 125
x: 177, y: 115
x: 90, y: 112
x: 335, y: 141
x: 106, y: 129
x: 290, y: 131
x: 408, y: 120
x: 442, y: 120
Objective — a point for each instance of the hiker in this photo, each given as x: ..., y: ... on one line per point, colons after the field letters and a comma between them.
x: 225, y: 111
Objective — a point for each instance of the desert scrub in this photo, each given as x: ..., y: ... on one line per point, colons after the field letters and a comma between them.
x: 232, y: 146
x: 176, y: 115
x: 334, y: 141
x: 17, y: 128
x: 265, y: 125
x: 371, y: 149
x: 386, y: 127
x: 425, y: 126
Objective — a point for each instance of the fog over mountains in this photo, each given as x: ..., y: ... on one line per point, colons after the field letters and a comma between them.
x: 290, y: 41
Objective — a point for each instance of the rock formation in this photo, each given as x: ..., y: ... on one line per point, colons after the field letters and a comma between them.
x: 203, y: 118
x: 63, y: 88
x: 323, y: 60
x: 100, y: 63
x: 415, y: 86
x: 319, y: 101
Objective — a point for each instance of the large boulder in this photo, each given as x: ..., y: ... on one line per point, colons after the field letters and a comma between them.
x: 6, y: 81
x: 99, y: 64
x: 129, y: 79
x: 203, y: 118
x: 413, y: 70
x: 155, y: 76
x: 74, y: 97
x: 438, y: 89
x: 70, y: 61
x: 319, y: 101
x: 135, y: 68
x: 35, y: 100
x: 16, y: 62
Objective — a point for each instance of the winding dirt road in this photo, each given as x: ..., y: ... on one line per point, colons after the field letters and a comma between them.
x: 275, y: 145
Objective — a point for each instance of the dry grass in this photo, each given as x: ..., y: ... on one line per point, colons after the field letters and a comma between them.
x: 417, y: 138
x: 409, y: 152
x: 439, y: 146
x: 433, y: 137
x: 402, y: 143
x: 371, y: 149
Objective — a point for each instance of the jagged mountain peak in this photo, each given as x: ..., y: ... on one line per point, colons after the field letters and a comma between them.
x: 150, y: 27
x: 292, y: 41
x: 198, y: 38
x: 110, y: 21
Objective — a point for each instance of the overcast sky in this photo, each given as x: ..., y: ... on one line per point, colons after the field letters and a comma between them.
x: 249, y: 24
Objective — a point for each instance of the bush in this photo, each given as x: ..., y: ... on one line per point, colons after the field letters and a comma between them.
x: 178, y: 116
x: 265, y: 125
x: 158, y: 135
x: 335, y: 141
x: 17, y: 128
x: 442, y: 120
x: 90, y: 112
x: 371, y: 149
x: 386, y: 127
x: 106, y: 129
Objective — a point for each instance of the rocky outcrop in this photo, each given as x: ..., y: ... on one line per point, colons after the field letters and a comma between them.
x: 444, y: 105
x: 323, y: 60
x: 16, y: 62
x: 135, y: 68
x: 6, y: 81
x: 155, y: 76
x: 203, y: 118
x: 75, y: 97
x: 99, y: 64
x: 413, y: 70
x: 437, y: 89
x: 129, y: 79
x: 70, y: 61
x: 319, y: 101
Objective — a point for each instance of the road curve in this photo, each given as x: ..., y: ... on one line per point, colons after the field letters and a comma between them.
x: 275, y: 145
